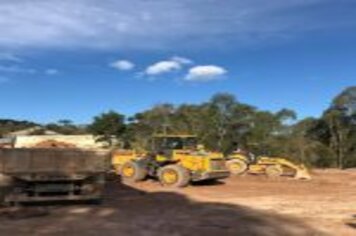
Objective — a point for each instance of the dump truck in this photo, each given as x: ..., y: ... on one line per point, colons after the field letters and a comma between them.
x: 175, y: 160
x: 36, y: 175
x: 239, y: 163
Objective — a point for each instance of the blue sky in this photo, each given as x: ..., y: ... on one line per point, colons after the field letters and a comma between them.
x: 62, y: 59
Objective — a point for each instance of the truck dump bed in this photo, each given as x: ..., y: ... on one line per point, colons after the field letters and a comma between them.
x: 61, y: 161
x: 58, y: 174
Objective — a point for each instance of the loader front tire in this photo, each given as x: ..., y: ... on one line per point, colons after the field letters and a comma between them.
x: 133, y: 171
x: 174, y: 176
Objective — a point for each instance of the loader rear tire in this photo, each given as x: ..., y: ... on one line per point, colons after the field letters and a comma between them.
x: 274, y: 171
x: 174, y: 176
x: 133, y: 171
x: 236, y: 167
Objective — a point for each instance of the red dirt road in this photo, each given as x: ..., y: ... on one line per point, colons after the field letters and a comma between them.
x: 248, y: 205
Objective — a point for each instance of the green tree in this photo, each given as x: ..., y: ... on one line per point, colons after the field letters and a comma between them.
x: 340, y: 119
x: 269, y: 132
x: 143, y: 125
x: 8, y: 125
x: 108, y: 126
x: 222, y: 123
x: 221, y: 109
x: 66, y: 127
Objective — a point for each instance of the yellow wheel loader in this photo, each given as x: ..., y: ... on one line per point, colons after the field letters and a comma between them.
x: 175, y: 160
x: 239, y: 163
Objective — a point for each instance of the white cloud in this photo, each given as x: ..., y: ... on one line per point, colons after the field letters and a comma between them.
x: 122, y: 65
x: 205, y: 73
x: 51, y: 71
x: 182, y: 60
x: 161, y: 23
x: 163, y: 67
x: 175, y: 63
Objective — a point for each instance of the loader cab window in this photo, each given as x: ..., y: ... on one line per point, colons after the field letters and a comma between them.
x: 167, y: 143
x: 174, y: 143
x: 191, y: 143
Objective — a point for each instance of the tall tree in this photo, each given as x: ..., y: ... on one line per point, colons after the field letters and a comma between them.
x: 66, y: 127
x: 221, y: 109
x: 8, y: 125
x: 340, y: 119
x: 108, y: 126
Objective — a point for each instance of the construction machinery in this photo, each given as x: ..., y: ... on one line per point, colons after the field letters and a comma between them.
x: 175, y: 160
x: 239, y: 163
x: 33, y: 175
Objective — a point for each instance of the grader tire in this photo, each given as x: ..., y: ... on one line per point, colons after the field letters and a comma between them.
x: 174, y: 176
x: 236, y: 167
x: 274, y: 171
x: 133, y: 171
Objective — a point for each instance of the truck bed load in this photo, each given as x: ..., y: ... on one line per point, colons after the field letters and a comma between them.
x: 52, y: 174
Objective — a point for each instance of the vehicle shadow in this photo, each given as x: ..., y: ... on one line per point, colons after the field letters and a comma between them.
x: 352, y: 223
x: 129, y: 211
x: 209, y: 182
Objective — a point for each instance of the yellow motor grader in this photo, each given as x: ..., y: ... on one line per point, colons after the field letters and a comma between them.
x: 239, y: 163
x: 175, y: 160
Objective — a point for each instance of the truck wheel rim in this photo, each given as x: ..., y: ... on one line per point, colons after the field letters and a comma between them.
x: 170, y: 177
x: 128, y: 171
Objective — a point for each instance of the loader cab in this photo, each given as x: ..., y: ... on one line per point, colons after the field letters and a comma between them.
x: 166, y: 144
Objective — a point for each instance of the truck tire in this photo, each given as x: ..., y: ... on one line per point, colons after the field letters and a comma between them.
x: 133, y: 171
x: 236, y: 167
x: 174, y: 176
x: 5, y: 186
x: 2, y: 195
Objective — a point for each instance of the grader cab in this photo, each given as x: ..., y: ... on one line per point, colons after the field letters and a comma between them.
x: 175, y: 160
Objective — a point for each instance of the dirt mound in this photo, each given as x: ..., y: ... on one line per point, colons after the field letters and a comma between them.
x: 54, y: 144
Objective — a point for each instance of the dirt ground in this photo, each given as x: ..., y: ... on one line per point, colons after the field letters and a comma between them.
x: 247, y: 205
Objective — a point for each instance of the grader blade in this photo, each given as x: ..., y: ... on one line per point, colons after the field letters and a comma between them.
x: 302, y: 173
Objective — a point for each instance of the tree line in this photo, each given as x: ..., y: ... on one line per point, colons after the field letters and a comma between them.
x: 223, y: 124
